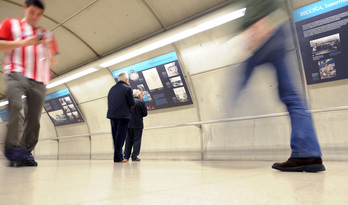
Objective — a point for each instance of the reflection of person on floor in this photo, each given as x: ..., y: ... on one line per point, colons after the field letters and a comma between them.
x: 30, y: 53
x: 135, y: 128
x: 260, y: 14
x: 120, y: 102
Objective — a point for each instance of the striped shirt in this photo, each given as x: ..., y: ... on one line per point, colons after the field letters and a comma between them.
x: 34, y: 62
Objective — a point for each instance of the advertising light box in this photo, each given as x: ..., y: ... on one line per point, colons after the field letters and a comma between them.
x: 4, y: 115
x: 160, y: 80
x: 323, y: 34
x: 62, y: 109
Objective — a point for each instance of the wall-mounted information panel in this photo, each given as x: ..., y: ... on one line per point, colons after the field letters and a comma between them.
x: 323, y: 37
x: 4, y: 117
x: 62, y: 109
x: 160, y: 80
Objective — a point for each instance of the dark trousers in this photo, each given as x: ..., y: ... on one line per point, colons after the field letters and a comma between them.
x: 119, y: 128
x: 133, y: 140
x: 304, y: 142
x: 19, y: 85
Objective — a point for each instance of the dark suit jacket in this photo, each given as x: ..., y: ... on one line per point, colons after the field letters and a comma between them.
x: 138, y: 112
x: 120, y: 101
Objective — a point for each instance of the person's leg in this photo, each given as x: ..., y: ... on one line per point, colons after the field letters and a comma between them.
x: 122, y: 128
x: 129, y: 144
x: 304, y: 142
x: 137, y: 143
x: 16, y: 84
x: 306, y: 153
x: 35, y: 98
x: 113, y: 132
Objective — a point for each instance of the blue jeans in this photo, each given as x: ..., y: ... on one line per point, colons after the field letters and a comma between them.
x: 304, y: 142
x: 133, y: 140
x: 119, y: 128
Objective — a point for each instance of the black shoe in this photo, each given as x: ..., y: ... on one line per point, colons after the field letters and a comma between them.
x: 23, y: 163
x: 300, y: 165
x: 137, y: 159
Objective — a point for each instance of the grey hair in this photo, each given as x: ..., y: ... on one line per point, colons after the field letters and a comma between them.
x: 123, y: 76
x: 136, y: 92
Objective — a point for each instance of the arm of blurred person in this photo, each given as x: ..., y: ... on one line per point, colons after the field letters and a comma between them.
x: 53, y: 48
x: 11, y: 45
x: 257, y: 23
x: 258, y: 32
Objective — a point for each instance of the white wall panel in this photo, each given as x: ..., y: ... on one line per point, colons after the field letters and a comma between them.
x: 329, y: 94
x: 102, y: 147
x: 74, y: 148
x: 171, y: 143
x: 332, y: 133
x: 3, y: 131
x: 46, y: 149
x: 47, y: 129
x: 95, y: 115
x: 211, y: 49
x: 109, y: 24
x: 169, y: 116
x: 75, y: 51
x: 92, y: 86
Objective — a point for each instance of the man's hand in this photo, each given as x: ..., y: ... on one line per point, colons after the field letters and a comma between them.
x: 11, y: 45
x: 33, y: 40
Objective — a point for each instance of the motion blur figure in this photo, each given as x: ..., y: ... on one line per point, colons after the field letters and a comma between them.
x: 135, y: 128
x: 30, y: 52
x: 120, y: 102
x: 266, y: 42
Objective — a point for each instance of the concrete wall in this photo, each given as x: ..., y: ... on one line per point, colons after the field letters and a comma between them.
x: 211, y: 62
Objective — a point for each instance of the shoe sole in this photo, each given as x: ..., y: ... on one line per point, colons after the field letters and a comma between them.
x: 22, y: 164
x: 304, y: 168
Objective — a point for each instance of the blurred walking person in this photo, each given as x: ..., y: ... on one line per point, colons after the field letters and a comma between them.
x: 265, y: 39
x: 30, y: 52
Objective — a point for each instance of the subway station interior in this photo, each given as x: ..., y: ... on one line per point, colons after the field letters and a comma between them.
x: 208, y: 142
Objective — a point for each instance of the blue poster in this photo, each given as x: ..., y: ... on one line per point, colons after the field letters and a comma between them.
x: 62, y: 109
x: 4, y: 115
x: 322, y: 31
x: 160, y: 80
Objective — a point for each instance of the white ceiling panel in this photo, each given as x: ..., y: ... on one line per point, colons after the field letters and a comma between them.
x: 72, y: 51
x: 60, y: 10
x: 93, y: 86
x: 109, y: 24
x: 171, y: 12
x: 8, y: 10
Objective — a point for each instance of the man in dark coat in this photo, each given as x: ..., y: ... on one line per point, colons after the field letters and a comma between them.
x: 136, y: 125
x: 120, y: 102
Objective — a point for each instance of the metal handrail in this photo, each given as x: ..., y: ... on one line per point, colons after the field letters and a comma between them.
x: 207, y: 122
x: 217, y: 121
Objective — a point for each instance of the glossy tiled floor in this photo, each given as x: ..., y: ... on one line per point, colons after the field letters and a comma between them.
x: 170, y: 182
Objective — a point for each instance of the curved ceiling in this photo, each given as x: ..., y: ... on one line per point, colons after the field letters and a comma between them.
x: 87, y: 30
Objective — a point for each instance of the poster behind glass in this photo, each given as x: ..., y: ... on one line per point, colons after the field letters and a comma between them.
x: 160, y: 80
x: 4, y: 117
x: 62, y: 109
x: 322, y: 32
